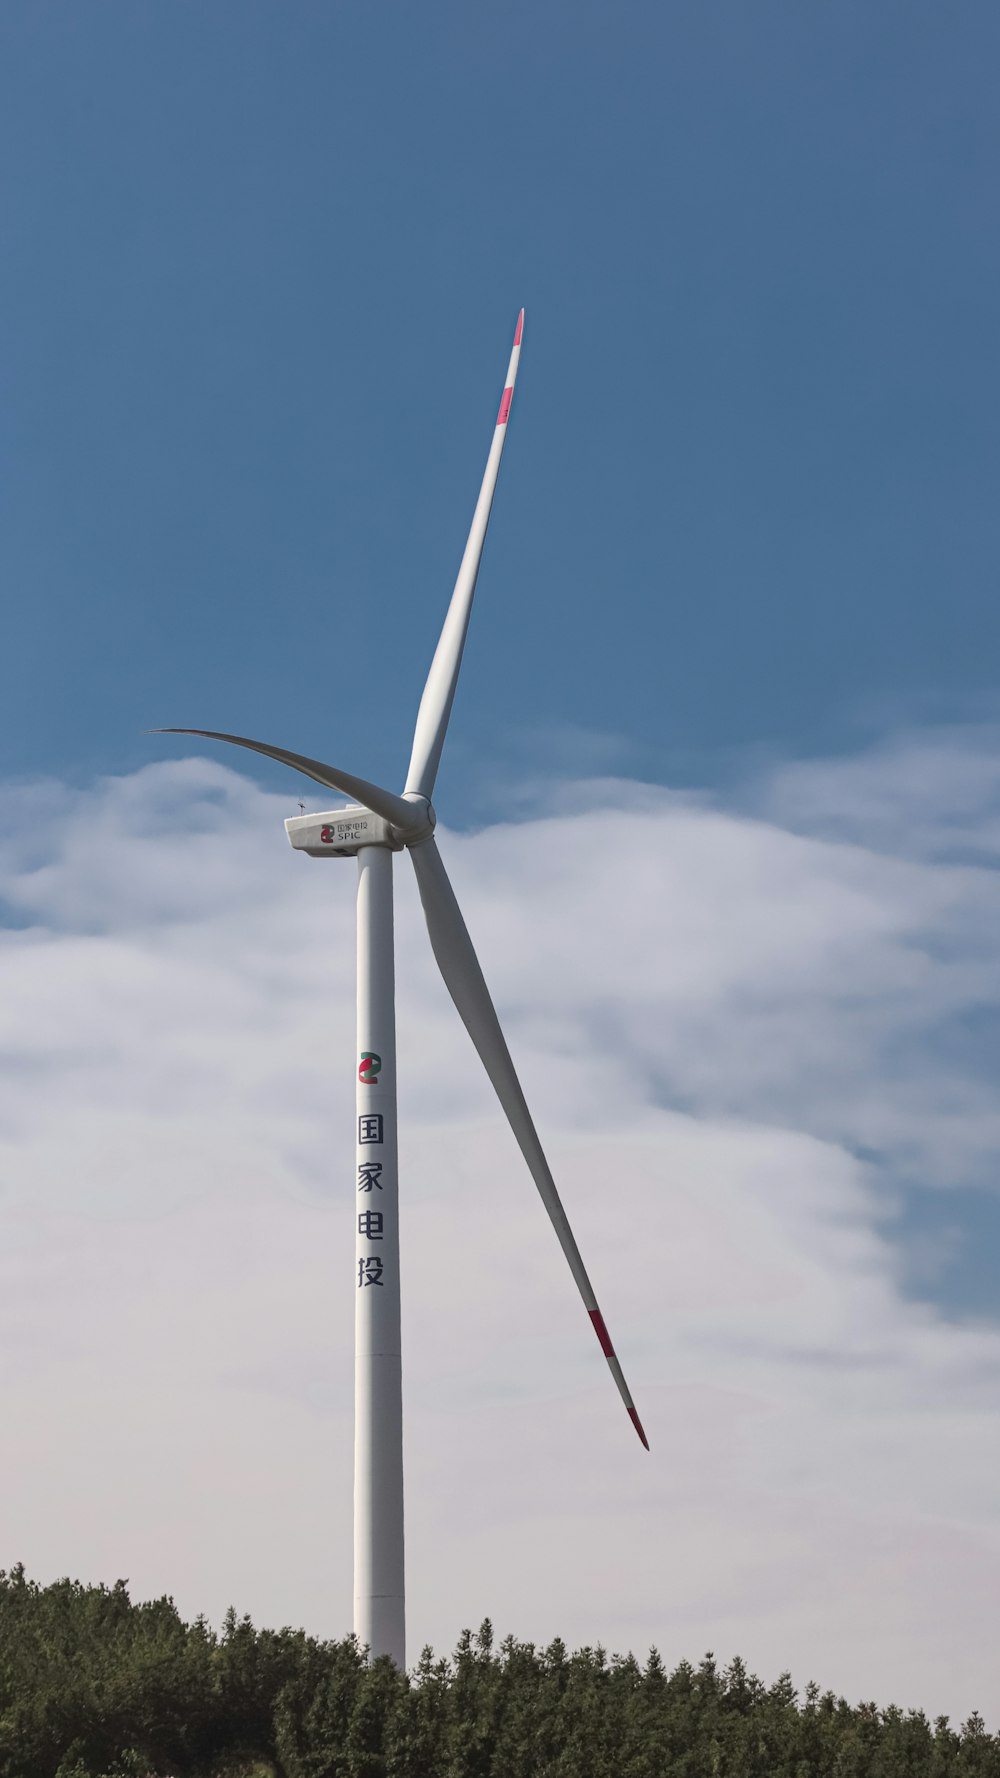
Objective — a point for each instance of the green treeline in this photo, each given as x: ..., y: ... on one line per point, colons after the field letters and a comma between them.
x: 92, y: 1685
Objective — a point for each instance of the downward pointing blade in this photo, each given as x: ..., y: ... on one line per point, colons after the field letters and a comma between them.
x: 464, y: 980
x: 439, y: 692
x: 404, y: 815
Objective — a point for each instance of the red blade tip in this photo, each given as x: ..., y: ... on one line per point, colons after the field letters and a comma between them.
x: 520, y: 328
x: 609, y: 1352
x: 637, y: 1423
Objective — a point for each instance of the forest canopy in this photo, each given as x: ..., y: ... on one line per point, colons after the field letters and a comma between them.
x: 94, y: 1686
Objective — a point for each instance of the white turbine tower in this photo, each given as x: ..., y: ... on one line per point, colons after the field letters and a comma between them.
x: 371, y: 828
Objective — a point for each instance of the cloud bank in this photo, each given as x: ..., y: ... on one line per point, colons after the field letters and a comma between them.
x: 746, y: 1031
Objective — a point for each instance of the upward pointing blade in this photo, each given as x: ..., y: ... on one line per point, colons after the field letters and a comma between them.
x: 464, y: 980
x: 407, y: 816
x: 439, y: 692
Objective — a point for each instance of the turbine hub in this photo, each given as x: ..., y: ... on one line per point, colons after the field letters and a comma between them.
x: 425, y: 806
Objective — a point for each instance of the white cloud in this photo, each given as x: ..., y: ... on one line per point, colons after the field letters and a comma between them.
x: 737, y: 1028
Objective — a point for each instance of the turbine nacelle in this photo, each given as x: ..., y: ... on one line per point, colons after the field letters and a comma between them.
x: 340, y: 833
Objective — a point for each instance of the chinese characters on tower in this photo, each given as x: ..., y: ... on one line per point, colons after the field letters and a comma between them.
x: 371, y: 1132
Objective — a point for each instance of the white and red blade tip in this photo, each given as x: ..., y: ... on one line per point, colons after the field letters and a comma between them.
x: 505, y: 399
x: 609, y: 1352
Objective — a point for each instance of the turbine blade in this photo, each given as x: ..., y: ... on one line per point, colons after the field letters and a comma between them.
x: 439, y: 692
x: 464, y: 980
x: 407, y: 816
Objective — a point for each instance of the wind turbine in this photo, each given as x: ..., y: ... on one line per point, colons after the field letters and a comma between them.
x: 375, y: 825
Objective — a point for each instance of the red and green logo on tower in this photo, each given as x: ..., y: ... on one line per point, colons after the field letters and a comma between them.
x: 369, y: 1068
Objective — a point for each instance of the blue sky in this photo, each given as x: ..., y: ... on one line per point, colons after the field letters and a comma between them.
x: 260, y: 270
